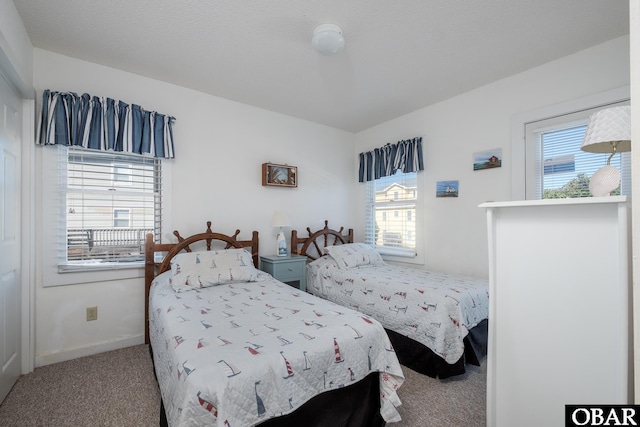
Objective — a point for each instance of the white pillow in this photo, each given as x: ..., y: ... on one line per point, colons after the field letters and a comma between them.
x: 354, y: 255
x: 192, y: 270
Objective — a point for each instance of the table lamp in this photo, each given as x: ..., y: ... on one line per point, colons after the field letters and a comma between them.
x: 280, y: 219
x: 609, y: 131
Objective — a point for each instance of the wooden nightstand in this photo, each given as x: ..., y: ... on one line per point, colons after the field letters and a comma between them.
x: 287, y: 269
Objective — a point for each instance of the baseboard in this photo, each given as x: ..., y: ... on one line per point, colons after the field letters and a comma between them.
x: 48, y: 359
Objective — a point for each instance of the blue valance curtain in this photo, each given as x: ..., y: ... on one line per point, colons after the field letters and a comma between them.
x: 104, y: 124
x: 406, y: 156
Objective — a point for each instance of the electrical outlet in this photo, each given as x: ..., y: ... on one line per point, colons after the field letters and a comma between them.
x: 92, y: 313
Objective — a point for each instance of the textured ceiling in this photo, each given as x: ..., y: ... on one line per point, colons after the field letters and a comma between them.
x: 399, y: 55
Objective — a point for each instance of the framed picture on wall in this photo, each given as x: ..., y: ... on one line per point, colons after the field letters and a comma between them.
x: 487, y: 159
x: 279, y: 175
x: 447, y: 189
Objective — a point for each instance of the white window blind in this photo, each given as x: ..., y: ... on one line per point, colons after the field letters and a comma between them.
x: 557, y: 167
x: 109, y: 201
x: 391, y: 204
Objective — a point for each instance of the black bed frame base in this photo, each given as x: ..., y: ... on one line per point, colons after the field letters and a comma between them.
x: 421, y: 359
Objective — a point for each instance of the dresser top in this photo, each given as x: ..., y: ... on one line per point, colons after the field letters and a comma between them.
x: 290, y: 257
x: 552, y: 202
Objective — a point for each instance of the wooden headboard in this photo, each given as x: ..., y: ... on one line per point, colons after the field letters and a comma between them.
x: 153, y: 268
x: 312, y: 246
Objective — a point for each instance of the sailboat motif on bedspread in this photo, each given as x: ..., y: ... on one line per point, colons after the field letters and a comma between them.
x: 246, y: 349
x: 288, y: 366
x: 230, y: 370
x: 336, y: 351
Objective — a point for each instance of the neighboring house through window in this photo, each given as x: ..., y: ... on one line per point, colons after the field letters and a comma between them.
x: 111, y: 201
x: 121, y: 218
x: 392, y: 234
x: 122, y: 174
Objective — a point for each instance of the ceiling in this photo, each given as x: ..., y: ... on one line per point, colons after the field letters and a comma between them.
x: 399, y: 56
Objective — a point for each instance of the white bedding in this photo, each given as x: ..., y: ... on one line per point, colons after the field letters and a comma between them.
x: 435, y: 309
x: 238, y: 354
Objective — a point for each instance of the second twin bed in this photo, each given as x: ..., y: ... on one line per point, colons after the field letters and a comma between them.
x: 437, y: 322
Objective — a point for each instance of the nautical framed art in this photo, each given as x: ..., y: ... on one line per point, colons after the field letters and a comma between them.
x: 279, y: 175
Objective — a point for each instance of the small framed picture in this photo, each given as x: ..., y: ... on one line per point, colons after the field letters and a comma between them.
x: 279, y: 175
x: 487, y: 159
x: 447, y: 189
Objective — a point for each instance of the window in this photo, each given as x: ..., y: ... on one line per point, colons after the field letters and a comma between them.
x: 110, y: 201
x: 557, y: 167
x: 392, y: 234
x: 121, y: 218
x: 122, y: 174
x: 566, y: 170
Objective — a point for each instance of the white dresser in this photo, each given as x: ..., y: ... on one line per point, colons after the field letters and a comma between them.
x: 560, y: 308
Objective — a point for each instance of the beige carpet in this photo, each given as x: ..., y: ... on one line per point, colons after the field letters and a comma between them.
x: 454, y: 402
x: 118, y: 388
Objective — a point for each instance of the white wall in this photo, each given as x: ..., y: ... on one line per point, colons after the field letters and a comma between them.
x: 454, y: 229
x: 16, y: 51
x: 220, y: 146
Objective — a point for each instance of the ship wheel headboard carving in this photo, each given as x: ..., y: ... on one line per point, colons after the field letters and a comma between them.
x: 312, y: 246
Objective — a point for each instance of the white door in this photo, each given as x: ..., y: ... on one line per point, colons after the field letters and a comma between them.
x: 10, y: 241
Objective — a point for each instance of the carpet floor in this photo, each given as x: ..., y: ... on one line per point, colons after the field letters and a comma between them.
x: 118, y: 388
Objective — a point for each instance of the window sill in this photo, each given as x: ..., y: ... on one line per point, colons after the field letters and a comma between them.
x: 62, y: 275
x: 400, y: 253
x: 102, y: 266
x: 400, y: 256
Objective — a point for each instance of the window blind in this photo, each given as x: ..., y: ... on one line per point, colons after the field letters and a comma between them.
x: 109, y: 202
x: 560, y: 168
x: 391, y: 212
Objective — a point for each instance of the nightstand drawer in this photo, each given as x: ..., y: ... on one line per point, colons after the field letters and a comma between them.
x: 288, y: 270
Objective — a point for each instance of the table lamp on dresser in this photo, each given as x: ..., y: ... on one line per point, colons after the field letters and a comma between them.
x: 609, y: 131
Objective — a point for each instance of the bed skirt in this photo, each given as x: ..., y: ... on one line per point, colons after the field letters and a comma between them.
x: 419, y: 358
x: 355, y: 405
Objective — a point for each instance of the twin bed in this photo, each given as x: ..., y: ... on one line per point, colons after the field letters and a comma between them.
x: 233, y: 347
x: 436, y: 322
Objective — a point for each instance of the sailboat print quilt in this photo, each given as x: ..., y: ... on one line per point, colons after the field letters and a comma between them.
x: 237, y: 354
x: 436, y: 309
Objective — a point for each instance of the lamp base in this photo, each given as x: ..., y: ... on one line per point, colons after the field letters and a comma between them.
x: 281, y: 244
x: 604, y: 181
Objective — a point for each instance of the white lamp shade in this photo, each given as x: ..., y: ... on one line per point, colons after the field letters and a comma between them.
x: 327, y: 39
x: 280, y: 219
x: 609, y: 131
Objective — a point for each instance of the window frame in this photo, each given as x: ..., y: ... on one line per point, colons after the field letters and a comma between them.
x: 388, y: 253
x: 518, y: 131
x: 48, y: 227
x: 588, y: 162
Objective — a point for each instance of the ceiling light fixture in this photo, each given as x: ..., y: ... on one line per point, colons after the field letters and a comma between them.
x: 327, y: 39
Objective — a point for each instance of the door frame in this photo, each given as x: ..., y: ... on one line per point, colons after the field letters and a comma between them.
x: 28, y: 259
